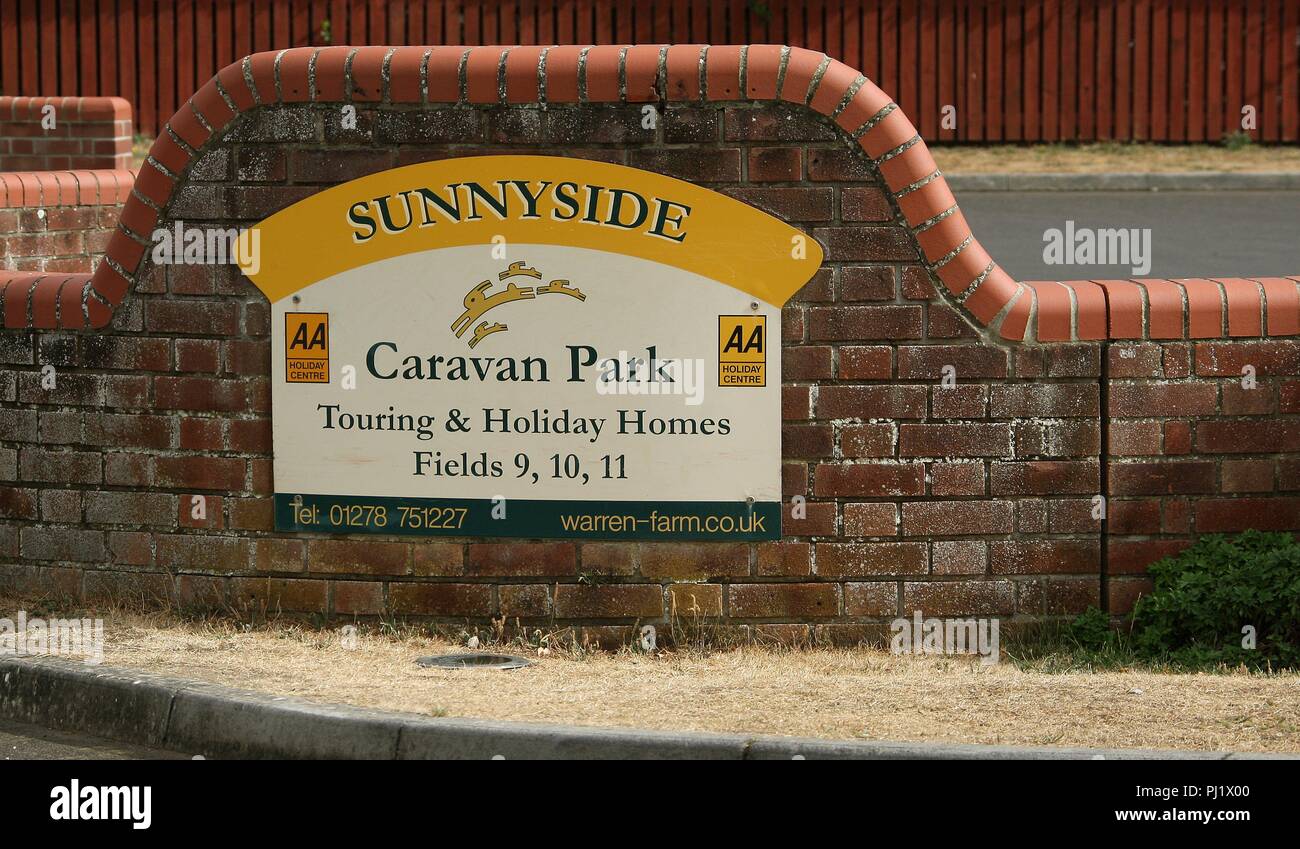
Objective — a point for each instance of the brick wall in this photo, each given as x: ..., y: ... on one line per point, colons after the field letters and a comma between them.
x: 973, y: 498
x: 64, y: 133
x: 59, y: 221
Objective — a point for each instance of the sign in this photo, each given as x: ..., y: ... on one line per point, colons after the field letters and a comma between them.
x: 742, y: 350
x: 528, y: 346
x: 306, y: 347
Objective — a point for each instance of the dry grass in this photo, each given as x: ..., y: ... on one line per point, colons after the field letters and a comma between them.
x: 860, y: 693
x: 1111, y: 157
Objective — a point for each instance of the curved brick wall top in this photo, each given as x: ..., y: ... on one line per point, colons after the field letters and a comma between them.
x: 1020, y: 312
x: 26, y: 189
x: 68, y: 108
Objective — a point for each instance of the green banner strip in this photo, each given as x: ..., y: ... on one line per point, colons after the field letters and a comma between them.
x: 480, y: 517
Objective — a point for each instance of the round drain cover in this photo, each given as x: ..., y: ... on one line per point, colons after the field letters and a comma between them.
x: 474, y: 660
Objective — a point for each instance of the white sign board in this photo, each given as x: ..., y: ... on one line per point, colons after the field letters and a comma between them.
x: 513, y: 346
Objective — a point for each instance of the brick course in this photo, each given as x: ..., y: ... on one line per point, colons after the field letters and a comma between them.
x: 968, y: 497
x: 88, y: 133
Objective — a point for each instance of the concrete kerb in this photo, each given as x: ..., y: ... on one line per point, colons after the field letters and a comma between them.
x: 1190, y: 181
x: 222, y: 722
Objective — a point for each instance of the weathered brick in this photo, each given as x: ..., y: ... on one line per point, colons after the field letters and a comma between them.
x: 203, y: 551
x: 693, y: 561
x: 1058, y: 438
x: 961, y: 598
x: 1247, y: 475
x: 1044, y: 477
x: 956, y: 518
x: 869, y: 479
x: 200, y: 318
x: 1055, y: 556
x: 1135, y: 438
x: 446, y: 600
x: 1267, y: 357
x: 357, y: 556
x: 68, y: 544
x: 866, y: 362
x: 1073, y: 516
x: 818, y: 520
x: 812, y: 362
x: 962, y: 401
x: 807, y: 441
x: 280, y: 555
x: 131, y: 508
x: 856, y: 559
x: 62, y: 467
x: 682, y: 125
x: 872, y: 519
x: 954, y: 440
x: 864, y: 203
x: 1174, y: 399
x: 779, y: 123
x: 772, y: 601
x: 786, y: 558
x: 871, y: 402
x: 843, y: 323
x: 791, y: 204
x: 932, y: 362
x: 1058, y: 596
x: 1259, y: 437
x: 202, y: 591
x: 1051, y: 400
x: 873, y: 598
x: 204, y: 394
x: 129, y: 431
x: 949, y: 479
x: 958, y: 557
x: 437, y: 558
x: 774, y: 164
x: 361, y: 598
x: 609, y: 601
x: 1127, y: 556
x: 690, y: 601
x: 1226, y: 515
x: 866, y: 440
x: 526, y: 601
x: 1162, y: 477
x: 428, y: 126
x: 200, y: 473
x: 521, y: 559
x: 698, y: 165
x: 867, y: 283
x: 18, y: 503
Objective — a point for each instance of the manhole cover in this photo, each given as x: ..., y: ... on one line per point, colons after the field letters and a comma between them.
x: 474, y: 660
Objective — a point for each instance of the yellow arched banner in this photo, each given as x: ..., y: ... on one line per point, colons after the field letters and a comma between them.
x: 487, y: 200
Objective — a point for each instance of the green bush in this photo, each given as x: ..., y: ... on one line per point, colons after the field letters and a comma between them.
x: 1238, y: 140
x: 1204, y: 597
x: 1091, y: 630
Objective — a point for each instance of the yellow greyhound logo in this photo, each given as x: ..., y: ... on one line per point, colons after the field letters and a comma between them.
x: 477, y: 300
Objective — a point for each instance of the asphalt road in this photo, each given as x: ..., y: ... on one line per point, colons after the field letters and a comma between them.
x: 20, y: 742
x: 1193, y: 234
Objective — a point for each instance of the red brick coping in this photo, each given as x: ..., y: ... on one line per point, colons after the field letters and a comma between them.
x: 27, y: 189
x: 89, y: 133
x: 1022, y: 312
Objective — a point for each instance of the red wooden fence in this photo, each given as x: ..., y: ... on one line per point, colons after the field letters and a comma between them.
x: 1014, y: 70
